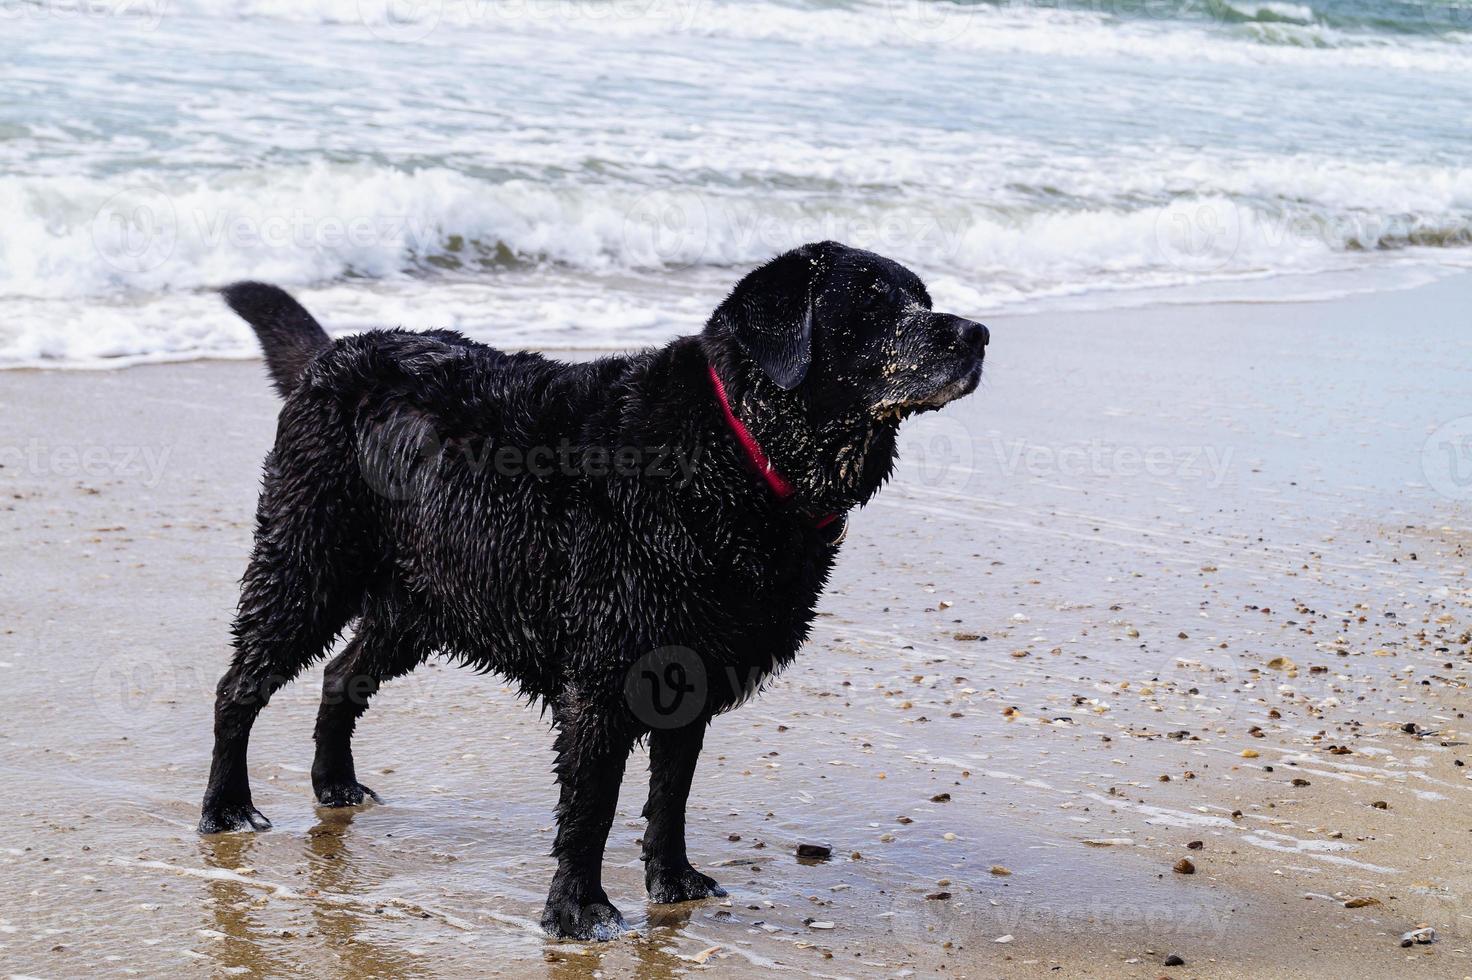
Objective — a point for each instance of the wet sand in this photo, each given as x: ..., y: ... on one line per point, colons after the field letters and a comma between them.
x: 1142, y: 591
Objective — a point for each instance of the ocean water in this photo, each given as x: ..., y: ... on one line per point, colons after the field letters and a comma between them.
x: 581, y: 173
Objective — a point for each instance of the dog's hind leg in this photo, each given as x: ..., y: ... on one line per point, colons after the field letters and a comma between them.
x: 305, y: 580
x: 386, y: 646
x: 286, y: 620
x: 590, y: 767
x: 667, y: 872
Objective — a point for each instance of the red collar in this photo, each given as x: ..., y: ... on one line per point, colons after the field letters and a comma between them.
x: 781, y: 488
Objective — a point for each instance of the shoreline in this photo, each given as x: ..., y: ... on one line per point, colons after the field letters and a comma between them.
x: 1227, y: 522
x: 348, y: 308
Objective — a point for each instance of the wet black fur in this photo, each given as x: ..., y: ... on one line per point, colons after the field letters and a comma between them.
x: 384, y: 502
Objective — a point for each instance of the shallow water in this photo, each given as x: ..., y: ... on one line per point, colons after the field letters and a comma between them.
x: 589, y: 174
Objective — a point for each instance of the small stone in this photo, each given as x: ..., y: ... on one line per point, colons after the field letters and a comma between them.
x: 1003, y: 939
x: 818, y: 851
x: 1174, y: 960
x: 1000, y: 871
x: 1360, y: 903
x: 1249, y: 753
x: 1195, y: 845
x: 938, y: 896
x: 1380, y: 805
x: 1300, y: 781
x: 1184, y: 867
x: 820, y: 925
x: 1424, y: 935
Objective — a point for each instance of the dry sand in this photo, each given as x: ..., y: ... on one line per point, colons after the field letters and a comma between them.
x: 1128, y: 597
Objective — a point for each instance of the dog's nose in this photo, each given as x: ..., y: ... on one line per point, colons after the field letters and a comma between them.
x: 975, y: 335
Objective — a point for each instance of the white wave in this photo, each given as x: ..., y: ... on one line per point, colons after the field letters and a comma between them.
x: 1008, y: 28
x: 109, y: 237
x: 1269, y: 10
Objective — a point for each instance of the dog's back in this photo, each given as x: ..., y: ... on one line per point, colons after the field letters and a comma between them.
x: 419, y: 470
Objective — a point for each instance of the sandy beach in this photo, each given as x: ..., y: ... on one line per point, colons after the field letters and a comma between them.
x: 1179, y: 584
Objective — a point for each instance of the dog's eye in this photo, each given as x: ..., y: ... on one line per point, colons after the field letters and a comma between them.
x: 872, y: 299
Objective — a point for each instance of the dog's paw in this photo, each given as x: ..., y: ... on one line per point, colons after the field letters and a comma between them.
x: 225, y: 818
x: 596, y: 921
x: 351, y: 793
x: 680, y: 885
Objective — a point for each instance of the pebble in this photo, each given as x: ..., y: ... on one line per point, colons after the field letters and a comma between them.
x: 820, y: 925
x: 814, y: 851
x: 1000, y: 871
x: 1423, y: 936
x: 1003, y: 939
x: 1174, y: 960
x: 1359, y: 903
x: 1184, y: 867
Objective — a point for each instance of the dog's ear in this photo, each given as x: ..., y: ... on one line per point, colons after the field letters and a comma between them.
x: 770, y: 312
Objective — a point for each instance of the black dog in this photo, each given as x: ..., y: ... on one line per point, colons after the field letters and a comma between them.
x: 638, y: 541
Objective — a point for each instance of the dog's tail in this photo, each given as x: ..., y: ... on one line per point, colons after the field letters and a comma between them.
x: 287, y: 332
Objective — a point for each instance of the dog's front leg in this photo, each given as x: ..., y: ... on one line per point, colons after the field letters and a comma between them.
x: 590, y: 767
x: 667, y: 871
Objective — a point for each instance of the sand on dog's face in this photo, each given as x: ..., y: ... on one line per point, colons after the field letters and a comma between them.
x: 1040, y: 676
